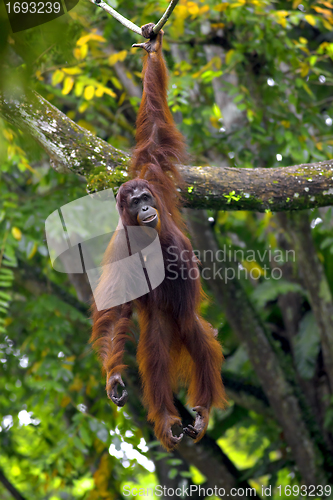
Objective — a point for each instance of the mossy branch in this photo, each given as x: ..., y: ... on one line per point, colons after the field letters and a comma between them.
x: 73, y: 148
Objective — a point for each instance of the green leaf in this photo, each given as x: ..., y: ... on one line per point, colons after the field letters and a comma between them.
x: 159, y: 455
x: 5, y: 284
x: 85, y: 436
x: 186, y: 473
x: 79, y: 445
x: 307, y: 346
x: 174, y: 461
x: 271, y: 289
x: 7, y: 272
x: 172, y: 473
x: 238, y: 98
x: 103, y: 434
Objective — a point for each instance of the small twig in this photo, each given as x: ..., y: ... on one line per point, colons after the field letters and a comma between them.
x: 131, y: 26
x: 324, y: 101
x: 43, y: 53
x: 165, y: 16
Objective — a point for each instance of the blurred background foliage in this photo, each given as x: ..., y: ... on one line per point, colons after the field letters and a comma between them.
x: 250, y: 86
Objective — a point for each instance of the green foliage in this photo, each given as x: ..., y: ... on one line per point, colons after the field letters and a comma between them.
x: 59, y: 436
x: 270, y: 290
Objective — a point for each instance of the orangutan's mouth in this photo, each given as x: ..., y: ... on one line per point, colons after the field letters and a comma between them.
x: 150, y: 218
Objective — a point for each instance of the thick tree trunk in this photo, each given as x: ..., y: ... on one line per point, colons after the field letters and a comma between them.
x: 251, y: 332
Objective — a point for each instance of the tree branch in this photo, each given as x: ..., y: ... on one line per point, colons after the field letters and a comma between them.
x: 158, y: 26
x: 73, y: 148
x: 131, y: 26
x: 125, y: 22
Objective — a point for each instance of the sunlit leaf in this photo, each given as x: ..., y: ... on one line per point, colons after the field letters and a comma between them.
x: 87, y: 38
x: 33, y: 251
x: 16, y: 232
x: 57, y: 77
x: 193, y: 8
x: 229, y: 55
x: 75, y: 70
x: 118, y: 56
x: 310, y: 19
x: 68, y: 85
x: 89, y: 92
x: 79, y: 86
x: 99, y: 91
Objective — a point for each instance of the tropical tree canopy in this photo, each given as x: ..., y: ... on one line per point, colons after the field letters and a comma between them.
x: 249, y: 89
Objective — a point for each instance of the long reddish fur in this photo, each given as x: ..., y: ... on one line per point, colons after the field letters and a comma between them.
x: 176, y: 344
